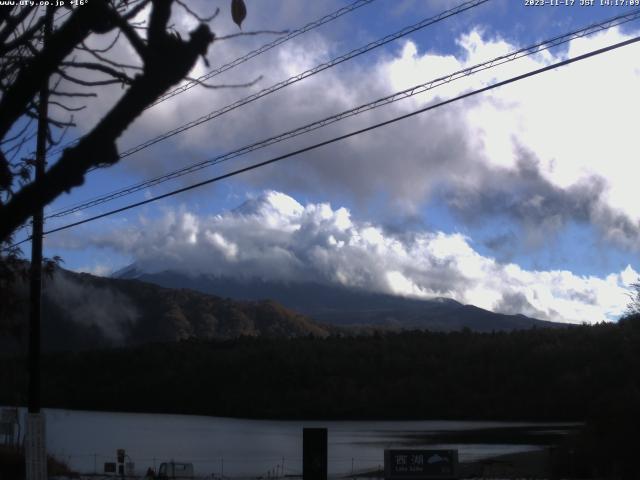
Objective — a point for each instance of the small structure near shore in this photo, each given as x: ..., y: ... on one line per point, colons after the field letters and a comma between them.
x: 420, y: 464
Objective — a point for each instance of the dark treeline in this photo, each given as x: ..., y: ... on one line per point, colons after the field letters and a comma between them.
x: 581, y: 373
x: 539, y: 374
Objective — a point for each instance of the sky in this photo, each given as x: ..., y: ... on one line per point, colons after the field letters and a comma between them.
x: 519, y: 200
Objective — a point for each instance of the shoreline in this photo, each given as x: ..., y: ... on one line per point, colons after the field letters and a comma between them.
x: 513, y: 423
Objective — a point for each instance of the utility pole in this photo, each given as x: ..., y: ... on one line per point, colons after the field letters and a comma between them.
x: 35, y: 447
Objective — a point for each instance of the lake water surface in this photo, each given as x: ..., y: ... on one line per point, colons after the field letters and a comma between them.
x: 238, y: 447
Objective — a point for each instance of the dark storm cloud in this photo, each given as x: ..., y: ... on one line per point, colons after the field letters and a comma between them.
x: 525, y: 196
x: 514, y: 303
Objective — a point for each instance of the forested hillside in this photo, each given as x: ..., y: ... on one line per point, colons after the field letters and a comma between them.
x: 550, y: 374
x: 343, y: 306
x: 83, y: 312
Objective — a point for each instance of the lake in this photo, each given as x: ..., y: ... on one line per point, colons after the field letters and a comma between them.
x: 242, y: 448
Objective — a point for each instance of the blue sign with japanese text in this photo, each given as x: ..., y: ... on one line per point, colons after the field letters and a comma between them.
x: 420, y: 464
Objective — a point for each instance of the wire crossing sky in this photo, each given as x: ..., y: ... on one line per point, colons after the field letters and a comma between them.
x: 303, y: 75
x: 264, y: 48
x: 343, y: 137
x: 300, y: 76
x: 254, y: 53
x: 306, y: 74
x: 406, y: 93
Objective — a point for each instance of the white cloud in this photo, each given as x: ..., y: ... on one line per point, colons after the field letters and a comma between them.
x: 544, y: 152
x: 97, y: 269
x: 276, y: 238
x: 575, y: 122
x: 572, y: 125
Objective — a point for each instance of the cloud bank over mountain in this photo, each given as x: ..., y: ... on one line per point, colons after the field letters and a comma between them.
x: 276, y: 238
x: 529, y: 162
x: 545, y: 152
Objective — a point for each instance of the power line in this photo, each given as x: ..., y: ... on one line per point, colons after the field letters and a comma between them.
x: 254, y: 53
x: 296, y: 78
x: 264, y: 48
x: 306, y: 74
x: 301, y: 76
x: 345, y: 136
x: 409, y: 92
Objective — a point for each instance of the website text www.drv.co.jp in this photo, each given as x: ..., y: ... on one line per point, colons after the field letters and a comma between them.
x: 43, y: 3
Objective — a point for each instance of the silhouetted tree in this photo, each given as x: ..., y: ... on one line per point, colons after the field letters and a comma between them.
x: 77, y: 72
x: 164, y: 60
x: 633, y: 308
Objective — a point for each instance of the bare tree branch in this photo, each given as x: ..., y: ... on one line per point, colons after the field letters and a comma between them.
x: 123, y: 77
x: 134, y: 39
x: 135, y: 10
x: 23, y: 38
x: 83, y: 46
x: 13, y: 23
x: 167, y: 60
x: 73, y: 94
x: 111, y: 62
x: 195, y: 15
x: 55, y: 142
x: 19, y: 134
x: 61, y: 43
x: 87, y: 83
x: 66, y: 107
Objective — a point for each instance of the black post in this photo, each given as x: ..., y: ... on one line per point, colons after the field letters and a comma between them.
x: 35, y: 290
x: 314, y: 454
x: 35, y: 439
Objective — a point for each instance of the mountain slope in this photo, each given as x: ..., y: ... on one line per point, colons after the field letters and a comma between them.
x: 343, y: 306
x: 82, y: 311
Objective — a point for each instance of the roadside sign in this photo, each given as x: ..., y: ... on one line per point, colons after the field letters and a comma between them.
x: 420, y: 464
